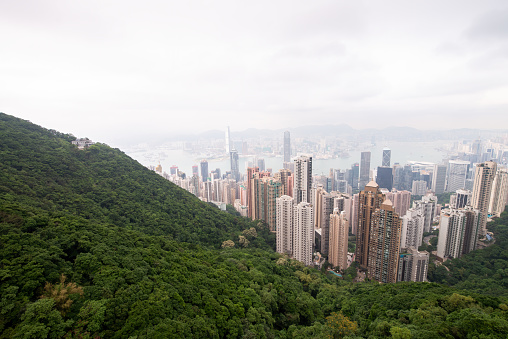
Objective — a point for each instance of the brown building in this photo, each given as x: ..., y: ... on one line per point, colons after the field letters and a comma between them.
x: 384, y: 244
x: 369, y: 200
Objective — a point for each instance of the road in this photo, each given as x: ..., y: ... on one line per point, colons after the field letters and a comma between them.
x: 427, y: 238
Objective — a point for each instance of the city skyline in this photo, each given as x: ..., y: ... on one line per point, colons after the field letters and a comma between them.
x: 149, y: 69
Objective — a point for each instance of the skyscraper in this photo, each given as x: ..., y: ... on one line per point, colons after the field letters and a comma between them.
x: 438, y: 179
x: 287, y: 147
x: 482, y: 189
x: 369, y: 200
x: 384, y: 245
x: 499, y: 193
x: 364, y: 169
x: 303, y: 238
x: 457, y: 172
x: 235, y: 169
x: 284, y: 232
x: 204, y: 170
x: 228, y: 141
x: 339, y: 228
x: 265, y: 192
x: 413, y: 265
x: 302, y: 179
x: 385, y: 177
x: 458, y: 232
x: 250, y: 188
x: 324, y: 205
x: 261, y: 164
x: 412, y: 229
x: 460, y: 199
x: 427, y: 205
x: 387, y: 154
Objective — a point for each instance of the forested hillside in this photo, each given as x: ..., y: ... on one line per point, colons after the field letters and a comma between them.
x: 92, y: 244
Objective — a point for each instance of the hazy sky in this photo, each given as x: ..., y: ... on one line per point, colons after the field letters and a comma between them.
x: 119, y: 67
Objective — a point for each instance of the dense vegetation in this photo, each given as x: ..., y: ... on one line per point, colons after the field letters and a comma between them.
x: 483, y: 271
x: 93, y: 244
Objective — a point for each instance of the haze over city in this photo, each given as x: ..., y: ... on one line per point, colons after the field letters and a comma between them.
x: 164, y: 68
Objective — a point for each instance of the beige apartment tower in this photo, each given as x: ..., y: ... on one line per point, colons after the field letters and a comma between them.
x: 339, y: 226
x: 482, y: 189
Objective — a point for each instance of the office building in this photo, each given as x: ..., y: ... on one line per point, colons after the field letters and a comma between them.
x: 387, y: 154
x: 339, y: 228
x: 384, y: 244
x: 302, y: 180
x: 369, y: 200
x: 457, y: 173
x: 364, y: 169
x: 204, y: 170
x: 287, y: 147
x: 228, y: 141
x: 284, y: 232
x: 482, y: 190
x: 235, y: 168
x: 384, y: 177
x: 438, y: 179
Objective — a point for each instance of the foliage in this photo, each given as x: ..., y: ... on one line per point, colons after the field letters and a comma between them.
x: 143, y: 258
x: 61, y: 294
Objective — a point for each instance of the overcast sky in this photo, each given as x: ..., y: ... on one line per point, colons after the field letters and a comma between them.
x: 94, y: 68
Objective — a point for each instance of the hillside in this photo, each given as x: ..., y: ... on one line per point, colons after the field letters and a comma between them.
x: 43, y: 169
x: 92, y: 244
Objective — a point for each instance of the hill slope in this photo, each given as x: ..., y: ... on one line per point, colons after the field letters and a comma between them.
x: 42, y: 168
x: 90, y: 245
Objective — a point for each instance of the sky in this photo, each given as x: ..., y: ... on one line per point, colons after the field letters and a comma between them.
x: 102, y: 69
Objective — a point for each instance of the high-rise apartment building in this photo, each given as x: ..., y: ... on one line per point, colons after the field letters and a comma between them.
x: 250, y: 198
x: 401, y: 201
x: 499, y: 193
x: 384, y: 244
x: 364, y: 169
x: 283, y: 175
x: 303, y: 238
x: 419, y: 187
x: 457, y: 173
x: 427, y: 205
x: 287, y: 146
x: 413, y: 265
x: 265, y: 192
x: 458, y: 232
x: 387, y: 154
x: 339, y: 228
x: 438, y: 179
x: 369, y: 200
x: 325, y: 205
x: 284, y: 232
x: 482, y: 190
x: 302, y: 180
x: 412, y: 229
x: 460, y: 199
x: 384, y: 177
